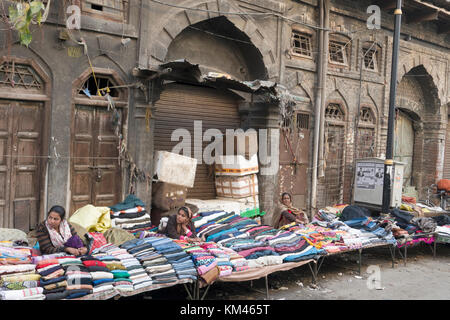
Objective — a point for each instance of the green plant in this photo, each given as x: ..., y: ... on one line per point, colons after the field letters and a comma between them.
x: 21, y: 15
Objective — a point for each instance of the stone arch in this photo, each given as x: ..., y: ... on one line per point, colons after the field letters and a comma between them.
x: 179, y: 19
x: 437, y: 80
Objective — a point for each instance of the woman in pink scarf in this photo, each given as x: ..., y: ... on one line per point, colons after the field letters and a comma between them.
x: 55, y: 234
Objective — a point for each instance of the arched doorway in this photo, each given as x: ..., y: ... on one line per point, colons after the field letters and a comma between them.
x: 217, y: 46
x: 96, y: 134
x: 24, y: 114
x: 417, y: 140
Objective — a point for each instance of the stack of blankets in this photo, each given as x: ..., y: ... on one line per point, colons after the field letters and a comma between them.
x: 128, y: 273
x: 18, y: 277
x: 164, y: 261
x: 131, y: 215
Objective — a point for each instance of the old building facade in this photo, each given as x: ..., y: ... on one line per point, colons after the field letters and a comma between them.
x: 167, y: 64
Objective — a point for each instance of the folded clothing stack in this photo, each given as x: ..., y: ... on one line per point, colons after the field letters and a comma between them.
x: 222, y: 257
x: 131, y: 215
x: 103, y: 279
x: 128, y: 273
x: 53, y: 279
x: 18, y: 277
x: 150, y: 253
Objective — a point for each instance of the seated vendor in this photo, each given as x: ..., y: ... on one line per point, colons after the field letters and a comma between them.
x: 55, y: 234
x: 180, y: 226
x: 285, y: 213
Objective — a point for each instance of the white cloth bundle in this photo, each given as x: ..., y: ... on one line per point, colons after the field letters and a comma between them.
x: 21, y: 294
x: 17, y: 268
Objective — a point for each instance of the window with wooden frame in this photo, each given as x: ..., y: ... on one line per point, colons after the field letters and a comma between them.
x: 370, y: 56
x: 301, y: 43
x: 115, y: 10
x: 337, y: 53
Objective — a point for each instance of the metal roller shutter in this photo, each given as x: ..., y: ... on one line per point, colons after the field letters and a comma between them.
x: 446, y: 174
x: 179, y: 106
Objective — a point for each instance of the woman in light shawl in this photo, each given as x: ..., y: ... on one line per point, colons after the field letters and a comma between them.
x: 55, y: 234
x: 285, y: 213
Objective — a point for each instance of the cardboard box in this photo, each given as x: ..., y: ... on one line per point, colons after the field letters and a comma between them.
x: 166, y: 196
x: 237, y: 187
x: 236, y: 165
x: 174, y: 169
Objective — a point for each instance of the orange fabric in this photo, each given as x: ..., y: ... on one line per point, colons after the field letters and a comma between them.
x: 444, y: 184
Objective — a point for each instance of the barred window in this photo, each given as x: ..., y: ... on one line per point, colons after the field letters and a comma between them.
x: 370, y: 56
x: 301, y: 43
x: 338, y: 53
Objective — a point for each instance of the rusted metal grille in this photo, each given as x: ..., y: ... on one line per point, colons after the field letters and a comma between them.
x: 301, y: 43
x: 334, y: 164
x: 14, y: 75
x: 303, y: 121
x: 337, y: 53
x: 365, y: 144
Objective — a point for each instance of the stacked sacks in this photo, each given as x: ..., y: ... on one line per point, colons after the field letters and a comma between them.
x: 131, y: 215
x: 18, y: 277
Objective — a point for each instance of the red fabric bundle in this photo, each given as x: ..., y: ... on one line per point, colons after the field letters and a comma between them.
x: 94, y: 263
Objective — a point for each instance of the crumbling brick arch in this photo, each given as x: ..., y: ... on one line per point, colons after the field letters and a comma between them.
x: 177, y: 19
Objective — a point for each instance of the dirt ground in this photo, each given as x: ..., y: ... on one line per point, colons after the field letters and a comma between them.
x: 422, y: 278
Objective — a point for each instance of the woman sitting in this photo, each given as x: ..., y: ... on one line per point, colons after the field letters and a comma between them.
x: 286, y: 213
x: 180, y: 226
x: 55, y: 234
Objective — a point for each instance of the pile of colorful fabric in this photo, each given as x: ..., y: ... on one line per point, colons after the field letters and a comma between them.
x: 260, y: 245
x: 131, y: 215
x: 164, y: 260
x: 116, y: 261
x: 204, y: 261
x: 18, y: 277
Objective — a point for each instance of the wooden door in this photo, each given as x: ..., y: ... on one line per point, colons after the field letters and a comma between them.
x: 294, y: 160
x: 95, y: 169
x: 404, y: 145
x: 21, y: 126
